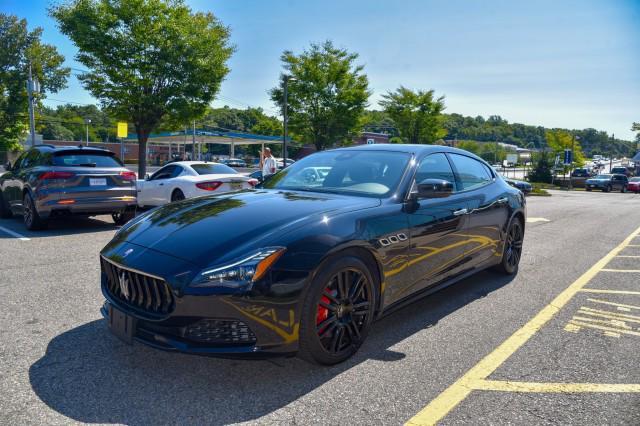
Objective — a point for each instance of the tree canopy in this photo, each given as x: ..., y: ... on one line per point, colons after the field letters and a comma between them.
x: 21, y: 47
x: 149, y: 61
x: 416, y: 114
x: 328, y: 96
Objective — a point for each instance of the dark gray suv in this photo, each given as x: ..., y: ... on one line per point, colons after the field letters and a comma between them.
x: 47, y: 181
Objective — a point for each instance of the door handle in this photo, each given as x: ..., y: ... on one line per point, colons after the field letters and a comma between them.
x: 161, y: 184
x: 460, y: 212
x: 503, y: 200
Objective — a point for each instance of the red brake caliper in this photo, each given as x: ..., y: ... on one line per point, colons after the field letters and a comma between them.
x: 323, y: 313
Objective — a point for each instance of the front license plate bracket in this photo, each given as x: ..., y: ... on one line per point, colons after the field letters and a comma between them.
x: 123, y: 326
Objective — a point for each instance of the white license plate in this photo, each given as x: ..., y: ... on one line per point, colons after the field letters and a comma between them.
x: 97, y: 182
x: 236, y: 185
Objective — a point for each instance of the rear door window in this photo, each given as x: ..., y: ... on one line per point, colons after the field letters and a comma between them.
x: 435, y: 166
x: 164, y: 173
x: 470, y: 172
x: 85, y: 159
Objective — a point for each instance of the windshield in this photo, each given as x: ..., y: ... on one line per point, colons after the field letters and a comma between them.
x: 635, y: 179
x: 603, y: 177
x: 213, y: 169
x: 86, y: 160
x: 366, y: 173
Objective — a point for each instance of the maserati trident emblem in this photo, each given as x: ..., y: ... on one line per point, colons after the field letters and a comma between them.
x: 124, y: 285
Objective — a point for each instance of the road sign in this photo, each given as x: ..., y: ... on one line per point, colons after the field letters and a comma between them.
x: 512, y: 158
x: 568, y: 157
x: 122, y: 129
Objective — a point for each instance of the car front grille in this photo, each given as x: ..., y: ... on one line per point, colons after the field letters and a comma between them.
x: 135, y: 290
x: 216, y: 331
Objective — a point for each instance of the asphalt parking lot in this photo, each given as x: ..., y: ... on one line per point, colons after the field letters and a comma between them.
x: 559, y: 343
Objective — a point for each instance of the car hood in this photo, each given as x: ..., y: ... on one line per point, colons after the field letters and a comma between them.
x: 216, y: 228
x: 597, y: 180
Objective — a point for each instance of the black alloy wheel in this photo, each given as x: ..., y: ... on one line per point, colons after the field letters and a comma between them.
x: 32, y: 219
x: 512, y: 248
x: 177, y: 195
x: 338, y: 312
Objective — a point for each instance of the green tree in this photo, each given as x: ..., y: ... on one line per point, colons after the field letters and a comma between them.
x: 150, y: 62
x: 21, y: 47
x: 559, y: 140
x: 470, y: 146
x: 541, y: 171
x: 417, y: 114
x: 328, y: 96
x: 636, y: 128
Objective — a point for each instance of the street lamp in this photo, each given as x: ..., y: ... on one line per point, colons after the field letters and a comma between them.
x: 285, y: 116
x: 87, y: 121
x: 573, y: 156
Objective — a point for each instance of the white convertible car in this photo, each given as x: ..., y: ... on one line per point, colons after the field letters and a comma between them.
x: 186, y: 179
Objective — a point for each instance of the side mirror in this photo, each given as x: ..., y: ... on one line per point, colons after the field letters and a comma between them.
x: 147, y: 176
x: 7, y: 166
x: 435, y: 188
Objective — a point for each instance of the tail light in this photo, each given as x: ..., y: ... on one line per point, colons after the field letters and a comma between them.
x: 253, y: 182
x: 56, y: 175
x: 209, y: 186
x: 128, y: 175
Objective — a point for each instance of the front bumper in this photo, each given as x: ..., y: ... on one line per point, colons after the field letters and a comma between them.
x: 258, y: 323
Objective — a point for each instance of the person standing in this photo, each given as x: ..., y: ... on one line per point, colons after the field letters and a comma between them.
x: 267, y: 163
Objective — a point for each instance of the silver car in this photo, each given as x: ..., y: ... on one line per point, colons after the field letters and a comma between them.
x: 48, y: 181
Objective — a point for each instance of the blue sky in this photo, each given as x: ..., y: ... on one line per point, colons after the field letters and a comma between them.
x: 573, y: 64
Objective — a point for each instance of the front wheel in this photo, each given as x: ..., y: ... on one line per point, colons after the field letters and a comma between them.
x: 338, y: 311
x: 623, y: 189
x: 512, y: 249
x: 30, y: 215
x: 607, y: 188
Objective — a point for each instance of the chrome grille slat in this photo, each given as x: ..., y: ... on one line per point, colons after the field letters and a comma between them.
x: 145, y: 293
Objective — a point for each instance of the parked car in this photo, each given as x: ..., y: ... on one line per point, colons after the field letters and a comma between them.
x: 622, y: 171
x: 607, y: 183
x: 235, y: 162
x: 523, y: 186
x: 281, y: 163
x: 582, y: 172
x: 48, y: 181
x: 634, y: 185
x: 188, y: 179
x: 306, y: 267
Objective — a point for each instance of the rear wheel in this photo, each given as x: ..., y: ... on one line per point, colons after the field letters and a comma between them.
x: 120, y: 218
x: 512, y: 249
x: 589, y: 189
x: 177, y: 195
x: 30, y: 215
x: 5, y: 210
x: 338, y: 311
x: 607, y: 188
x: 623, y: 189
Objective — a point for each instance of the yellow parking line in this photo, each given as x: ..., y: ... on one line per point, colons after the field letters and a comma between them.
x: 604, y: 291
x: 508, y: 386
x: 461, y: 388
x: 604, y: 302
x: 621, y: 270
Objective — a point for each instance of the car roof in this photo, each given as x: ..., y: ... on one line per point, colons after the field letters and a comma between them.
x: 190, y: 163
x: 417, y: 149
x: 55, y: 148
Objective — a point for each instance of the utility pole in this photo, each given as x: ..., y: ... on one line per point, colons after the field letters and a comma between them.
x: 285, y: 116
x: 32, y: 87
x: 193, y: 142
x: 87, y: 121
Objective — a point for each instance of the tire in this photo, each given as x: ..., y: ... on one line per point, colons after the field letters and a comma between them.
x: 336, y: 319
x: 588, y: 189
x: 512, y: 249
x: 120, y: 218
x: 30, y: 215
x: 177, y: 195
x: 623, y: 189
x: 5, y: 210
x: 607, y: 188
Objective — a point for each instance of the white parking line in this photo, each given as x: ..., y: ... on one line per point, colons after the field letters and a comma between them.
x: 14, y: 234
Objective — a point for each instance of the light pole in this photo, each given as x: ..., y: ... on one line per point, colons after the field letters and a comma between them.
x: 573, y: 144
x: 285, y: 116
x: 87, y: 121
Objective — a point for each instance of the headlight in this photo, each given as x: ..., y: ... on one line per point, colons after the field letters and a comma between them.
x: 242, y: 272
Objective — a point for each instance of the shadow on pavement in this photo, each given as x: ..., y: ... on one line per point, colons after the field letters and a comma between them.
x: 89, y: 376
x: 60, y: 226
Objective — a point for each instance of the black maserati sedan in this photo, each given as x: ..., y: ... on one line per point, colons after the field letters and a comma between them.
x: 306, y: 262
